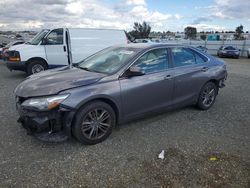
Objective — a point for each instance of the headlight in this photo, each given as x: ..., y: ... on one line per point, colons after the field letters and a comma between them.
x: 45, y: 103
x: 13, y: 56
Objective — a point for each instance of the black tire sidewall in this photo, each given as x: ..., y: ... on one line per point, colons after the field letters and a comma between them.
x: 76, y: 129
x: 32, y: 63
x: 199, y: 103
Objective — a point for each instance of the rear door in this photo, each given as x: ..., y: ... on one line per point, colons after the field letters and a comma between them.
x: 151, y: 91
x: 191, y: 71
x: 55, y: 48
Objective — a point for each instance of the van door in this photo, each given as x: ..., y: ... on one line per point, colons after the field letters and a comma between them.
x: 55, y: 48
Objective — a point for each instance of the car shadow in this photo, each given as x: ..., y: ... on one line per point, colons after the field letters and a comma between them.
x: 12, y: 74
x: 155, y: 116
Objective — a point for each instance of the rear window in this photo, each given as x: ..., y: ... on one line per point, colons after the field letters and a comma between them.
x: 229, y: 48
x: 182, y: 57
x: 186, y: 56
x: 199, y: 57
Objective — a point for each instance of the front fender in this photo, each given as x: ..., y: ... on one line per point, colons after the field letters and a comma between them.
x: 109, y: 91
x: 27, y: 51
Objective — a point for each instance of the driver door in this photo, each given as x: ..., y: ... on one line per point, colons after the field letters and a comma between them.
x: 55, y: 48
x: 154, y: 90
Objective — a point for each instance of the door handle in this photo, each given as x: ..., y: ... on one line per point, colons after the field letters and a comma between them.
x: 64, y: 48
x: 167, y: 77
x: 204, y: 69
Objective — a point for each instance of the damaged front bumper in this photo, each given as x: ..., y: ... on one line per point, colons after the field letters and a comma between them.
x: 52, y: 126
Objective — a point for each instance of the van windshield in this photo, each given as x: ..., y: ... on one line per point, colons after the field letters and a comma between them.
x: 39, y: 36
x: 108, y: 60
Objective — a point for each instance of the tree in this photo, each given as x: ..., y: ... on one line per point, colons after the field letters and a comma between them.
x: 129, y: 36
x: 238, y: 32
x: 140, y: 30
x: 203, y: 37
x: 190, y: 32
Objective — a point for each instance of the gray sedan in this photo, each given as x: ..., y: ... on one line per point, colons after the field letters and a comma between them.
x: 114, y: 86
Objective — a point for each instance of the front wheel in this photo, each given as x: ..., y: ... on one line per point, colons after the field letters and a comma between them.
x: 207, y: 96
x: 36, y: 67
x: 94, y: 122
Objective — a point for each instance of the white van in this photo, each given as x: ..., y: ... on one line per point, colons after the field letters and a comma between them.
x: 49, y: 48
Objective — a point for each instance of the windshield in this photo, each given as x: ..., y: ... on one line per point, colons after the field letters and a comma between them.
x: 108, y: 60
x: 39, y: 36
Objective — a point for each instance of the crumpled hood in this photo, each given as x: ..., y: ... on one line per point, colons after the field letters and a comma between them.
x: 53, y: 81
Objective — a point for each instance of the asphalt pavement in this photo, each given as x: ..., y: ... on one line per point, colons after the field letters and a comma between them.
x: 202, y: 148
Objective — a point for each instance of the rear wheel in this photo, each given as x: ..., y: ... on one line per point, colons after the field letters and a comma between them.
x: 207, y: 96
x: 94, y: 122
x: 36, y: 66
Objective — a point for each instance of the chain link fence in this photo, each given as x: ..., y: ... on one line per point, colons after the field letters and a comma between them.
x: 213, y: 46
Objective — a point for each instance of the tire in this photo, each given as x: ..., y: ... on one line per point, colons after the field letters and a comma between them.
x: 36, y: 66
x: 207, y: 96
x: 248, y: 55
x: 88, y: 127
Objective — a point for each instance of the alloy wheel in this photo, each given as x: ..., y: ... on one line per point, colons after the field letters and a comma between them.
x: 96, y: 123
x: 208, y: 95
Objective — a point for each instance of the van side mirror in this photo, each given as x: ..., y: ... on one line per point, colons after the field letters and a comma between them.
x: 135, y: 71
x: 44, y: 41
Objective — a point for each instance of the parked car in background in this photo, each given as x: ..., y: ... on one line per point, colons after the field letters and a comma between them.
x: 143, y: 41
x: 48, y: 49
x: 228, y: 51
x: 116, y: 85
x: 202, y: 48
x: 248, y: 53
x: 13, y: 43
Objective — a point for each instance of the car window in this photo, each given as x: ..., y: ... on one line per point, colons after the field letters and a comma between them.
x: 18, y: 43
x: 183, y: 56
x: 153, y: 61
x: 55, y: 37
x: 199, y: 59
x: 231, y: 48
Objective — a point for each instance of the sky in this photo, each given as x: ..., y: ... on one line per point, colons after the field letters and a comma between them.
x: 162, y: 15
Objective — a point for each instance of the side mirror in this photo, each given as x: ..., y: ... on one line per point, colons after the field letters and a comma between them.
x: 44, y: 41
x: 135, y: 71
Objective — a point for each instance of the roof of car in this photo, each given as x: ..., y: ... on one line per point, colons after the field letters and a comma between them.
x: 147, y: 45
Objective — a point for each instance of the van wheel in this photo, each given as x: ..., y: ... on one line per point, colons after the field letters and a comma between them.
x: 36, y: 66
x: 207, y: 96
x: 94, y: 122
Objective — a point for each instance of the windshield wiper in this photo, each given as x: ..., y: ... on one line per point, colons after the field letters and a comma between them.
x: 87, y: 69
x: 83, y: 68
